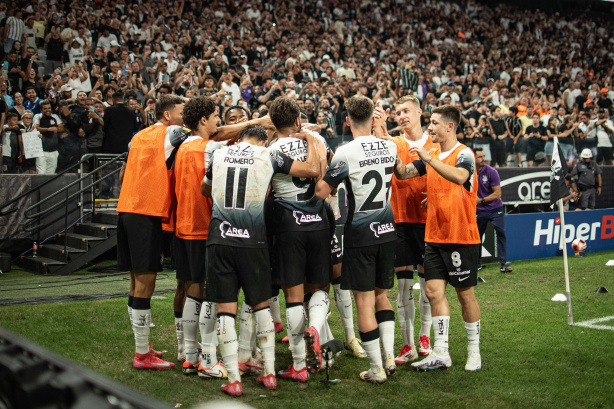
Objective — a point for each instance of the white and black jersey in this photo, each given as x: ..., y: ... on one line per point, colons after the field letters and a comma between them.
x: 239, y: 176
x: 297, y: 208
x: 366, y: 165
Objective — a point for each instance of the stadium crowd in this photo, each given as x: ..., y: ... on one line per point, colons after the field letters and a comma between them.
x: 86, y: 74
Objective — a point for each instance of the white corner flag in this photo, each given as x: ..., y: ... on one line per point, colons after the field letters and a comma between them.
x: 558, y: 190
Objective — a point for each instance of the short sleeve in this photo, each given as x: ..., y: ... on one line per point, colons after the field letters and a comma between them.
x: 597, y: 169
x: 495, y: 179
x: 466, y: 160
x: 280, y: 161
x: 57, y: 118
x: 338, y: 169
x: 209, y: 172
x: 36, y: 120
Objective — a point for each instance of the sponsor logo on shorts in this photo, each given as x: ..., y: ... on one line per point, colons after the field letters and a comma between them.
x: 459, y: 273
x: 306, y: 218
x: 381, y: 228
x: 463, y: 279
x: 227, y: 230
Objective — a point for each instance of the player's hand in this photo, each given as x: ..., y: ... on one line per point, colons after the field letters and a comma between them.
x: 598, y: 191
x: 266, y: 123
x: 424, y: 201
x: 302, y: 134
x: 312, y: 127
x: 379, y: 114
x: 422, y: 153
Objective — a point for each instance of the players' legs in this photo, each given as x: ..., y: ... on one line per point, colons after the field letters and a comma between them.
x: 482, y: 219
x: 276, y: 312
x: 247, y: 333
x: 131, y: 298
x: 384, y: 315
x: 207, y: 323
x: 436, y: 293
x: 191, y: 314
x: 265, y: 335
x: 144, y: 286
x: 471, y: 316
x: 498, y: 221
x: 295, y: 324
x: 425, y: 315
x: 227, y: 338
x: 405, y: 303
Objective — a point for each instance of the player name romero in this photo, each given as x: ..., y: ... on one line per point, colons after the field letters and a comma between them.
x: 239, y: 161
x: 376, y: 161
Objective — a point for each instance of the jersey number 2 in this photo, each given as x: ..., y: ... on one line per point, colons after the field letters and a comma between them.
x: 239, y: 201
x: 370, y: 203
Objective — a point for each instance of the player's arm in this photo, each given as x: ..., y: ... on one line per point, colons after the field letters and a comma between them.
x: 311, y: 167
x: 495, y: 195
x: 233, y: 131
x: 337, y: 172
x: 456, y: 174
x: 411, y: 170
x: 205, y: 185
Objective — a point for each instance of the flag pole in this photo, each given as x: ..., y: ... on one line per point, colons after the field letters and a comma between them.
x: 567, y: 290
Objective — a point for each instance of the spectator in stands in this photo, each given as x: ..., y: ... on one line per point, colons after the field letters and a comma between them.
x: 605, y: 133
x: 11, y: 148
x: 536, y: 135
x: 32, y: 102
x: 587, y: 134
x: 50, y: 127
x: 92, y: 124
x: 499, y: 137
x: 120, y: 124
x: 69, y: 146
x: 515, y: 141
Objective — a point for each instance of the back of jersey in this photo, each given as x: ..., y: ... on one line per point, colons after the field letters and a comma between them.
x: 239, y: 176
x: 298, y: 208
x: 366, y: 164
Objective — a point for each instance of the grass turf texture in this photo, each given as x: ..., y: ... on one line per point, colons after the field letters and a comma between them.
x: 530, y: 356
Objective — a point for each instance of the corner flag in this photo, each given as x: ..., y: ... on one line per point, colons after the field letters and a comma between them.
x: 558, y: 188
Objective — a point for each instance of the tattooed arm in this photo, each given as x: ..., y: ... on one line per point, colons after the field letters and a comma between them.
x: 403, y: 171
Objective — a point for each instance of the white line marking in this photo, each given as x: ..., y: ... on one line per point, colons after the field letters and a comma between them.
x: 591, y: 323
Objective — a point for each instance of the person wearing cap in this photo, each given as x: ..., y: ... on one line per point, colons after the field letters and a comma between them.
x: 605, y: 133
x: 106, y: 38
x: 603, y: 101
x: 66, y: 93
x: 587, y: 180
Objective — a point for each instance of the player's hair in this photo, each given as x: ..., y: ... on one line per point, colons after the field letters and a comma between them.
x: 360, y: 111
x: 247, y: 114
x: 449, y: 113
x: 254, y: 131
x: 166, y: 103
x: 284, y: 112
x: 197, y: 108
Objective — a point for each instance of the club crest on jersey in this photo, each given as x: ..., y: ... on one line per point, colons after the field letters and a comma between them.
x: 381, y: 228
x: 337, y: 169
x: 228, y: 231
x: 484, y: 179
x: 306, y: 218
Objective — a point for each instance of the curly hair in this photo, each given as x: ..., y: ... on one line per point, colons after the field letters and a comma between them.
x: 197, y: 108
x: 284, y: 112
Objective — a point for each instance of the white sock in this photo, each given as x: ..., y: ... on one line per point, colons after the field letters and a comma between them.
x: 246, y: 332
x: 374, y: 354
x: 130, y: 315
x: 191, y: 312
x: 326, y: 334
x: 442, y: 328
x: 318, y: 310
x: 208, y: 324
x: 473, y: 335
x: 141, y: 320
x: 275, y: 308
x: 343, y: 299
x: 295, y: 327
x: 425, y: 310
x: 227, y: 339
x: 266, y: 339
x: 406, y: 310
x: 179, y: 332
x: 386, y: 324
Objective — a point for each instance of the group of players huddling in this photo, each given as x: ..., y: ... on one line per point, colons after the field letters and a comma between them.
x: 250, y: 205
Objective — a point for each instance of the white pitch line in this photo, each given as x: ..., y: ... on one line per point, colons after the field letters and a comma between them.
x: 591, y: 323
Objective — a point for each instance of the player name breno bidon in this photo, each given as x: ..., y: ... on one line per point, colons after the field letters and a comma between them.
x: 381, y: 228
x: 376, y: 161
x: 305, y: 218
x: 377, y: 148
x: 227, y: 230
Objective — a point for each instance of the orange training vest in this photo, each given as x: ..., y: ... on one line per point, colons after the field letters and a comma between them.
x: 407, y: 194
x: 146, y: 185
x: 451, y: 214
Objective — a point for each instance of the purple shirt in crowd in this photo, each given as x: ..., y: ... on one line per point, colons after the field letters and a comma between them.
x: 487, y: 178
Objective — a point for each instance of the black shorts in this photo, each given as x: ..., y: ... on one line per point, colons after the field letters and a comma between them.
x: 410, y: 244
x: 231, y: 268
x: 190, y: 259
x: 455, y: 263
x: 303, y: 257
x: 336, y: 249
x: 369, y: 267
x: 139, y: 243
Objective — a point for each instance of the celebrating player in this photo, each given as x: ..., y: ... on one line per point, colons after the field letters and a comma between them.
x: 237, y: 255
x: 366, y: 164
x: 452, y: 238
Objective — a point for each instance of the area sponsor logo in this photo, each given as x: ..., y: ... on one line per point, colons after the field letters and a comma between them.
x: 228, y: 231
x: 381, y: 228
x: 305, y: 218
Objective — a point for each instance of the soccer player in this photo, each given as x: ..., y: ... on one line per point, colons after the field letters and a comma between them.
x: 366, y: 165
x: 452, y: 238
x: 192, y: 225
x: 410, y: 218
x: 144, y: 201
x: 237, y: 255
x: 302, y: 244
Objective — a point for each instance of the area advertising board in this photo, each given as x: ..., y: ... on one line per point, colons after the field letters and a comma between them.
x: 538, y: 235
